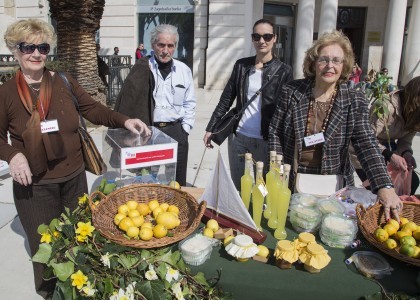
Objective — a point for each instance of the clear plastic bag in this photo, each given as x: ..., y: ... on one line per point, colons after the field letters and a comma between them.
x: 401, y: 180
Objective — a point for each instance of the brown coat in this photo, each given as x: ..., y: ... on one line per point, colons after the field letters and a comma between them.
x: 13, y: 117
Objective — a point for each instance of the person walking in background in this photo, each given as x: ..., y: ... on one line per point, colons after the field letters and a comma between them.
x: 248, y: 76
x: 103, y: 69
x: 140, y: 52
x: 318, y: 116
x: 116, y: 50
x: 396, y: 132
x: 355, y: 74
x: 46, y: 165
x: 160, y: 90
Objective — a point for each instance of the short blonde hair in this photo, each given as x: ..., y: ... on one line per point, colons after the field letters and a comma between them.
x: 28, y: 31
x: 329, y: 38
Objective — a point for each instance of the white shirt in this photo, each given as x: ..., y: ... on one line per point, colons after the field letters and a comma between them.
x: 250, y: 123
x: 174, y: 96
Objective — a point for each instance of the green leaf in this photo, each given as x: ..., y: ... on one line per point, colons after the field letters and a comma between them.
x: 68, y: 231
x: 63, y: 270
x: 145, y: 254
x: 108, y: 286
x: 181, y: 265
x: 162, y: 270
x: 127, y: 261
x: 200, y: 278
x: 71, y: 254
x: 54, y: 224
x: 43, y: 254
x: 63, y: 291
x: 376, y: 296
x: 42, y: 229
x: 152, y: 290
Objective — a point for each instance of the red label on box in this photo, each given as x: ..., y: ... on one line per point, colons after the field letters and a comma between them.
x: 150, y: 156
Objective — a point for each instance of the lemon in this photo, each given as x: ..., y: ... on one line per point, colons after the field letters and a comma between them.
x: 143, y: 209
x: 160, y: 231
x: 399, y: 234
x: 146, y: 234
x: 138, y: 220
x: 404, y: 220
x: 390, y: 229
x: 133, y: 213
x: 174, y: 184
x: 132, y: 204
x: 157, y: 211
x: 391, y: 244
x: 406, y: 229
x: 164, y: 206
x: 242, y: 259
x: 123, y: 209
x: 169, y: 220
x: 409, y: 226
x: 213, y: 225
x: 118, y: 217
x: 381, y: 235
x: 153, y: 204
x: 228, y: 240
x: 147, y: 225
x: 133, y: 231
x: 394, y: 223
x: 125, y: 223
x: 416, y: 234
x: 263, y: 251
x: 174, y: 209
x: 416, y: 252
x: 208, y: 232
x: 408, y: 240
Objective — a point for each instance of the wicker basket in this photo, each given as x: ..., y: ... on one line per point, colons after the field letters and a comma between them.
x: 190, y: 212
x: 370, y: 219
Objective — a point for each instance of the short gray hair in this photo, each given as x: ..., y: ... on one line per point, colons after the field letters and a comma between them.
x: 163, y: 28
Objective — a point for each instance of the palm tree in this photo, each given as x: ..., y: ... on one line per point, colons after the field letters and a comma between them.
x: 77, y: 22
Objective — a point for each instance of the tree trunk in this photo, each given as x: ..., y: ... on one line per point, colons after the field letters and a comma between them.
x: 77, y: 23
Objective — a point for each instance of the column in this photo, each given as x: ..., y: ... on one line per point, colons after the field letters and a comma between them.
x: 393, y: 40
x: 411, y: 64
x: 304, y: 34
x: 328, y: 16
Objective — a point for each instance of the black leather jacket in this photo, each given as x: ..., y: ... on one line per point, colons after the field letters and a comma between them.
x: 237, y: 87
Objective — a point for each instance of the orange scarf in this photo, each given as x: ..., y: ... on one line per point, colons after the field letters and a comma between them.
x: 42, y: 104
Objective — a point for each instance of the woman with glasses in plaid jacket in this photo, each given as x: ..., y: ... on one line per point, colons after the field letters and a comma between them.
x: 318, y: 116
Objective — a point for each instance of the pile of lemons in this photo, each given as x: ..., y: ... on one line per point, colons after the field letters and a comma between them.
x: 146, y: 220
x: 405, y: 238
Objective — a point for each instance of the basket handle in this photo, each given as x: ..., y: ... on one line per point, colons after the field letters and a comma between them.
x: 201, y: 208
x: 93, y: 196
x: 360, y: 211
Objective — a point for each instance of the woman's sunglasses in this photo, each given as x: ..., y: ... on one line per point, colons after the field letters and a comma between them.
x: 30, y: 48
x: 267, y: 37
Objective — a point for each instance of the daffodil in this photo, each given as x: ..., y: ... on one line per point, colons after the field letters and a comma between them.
x: 129, y: 291
x: 171, y: 274
x: 105, y: 260
x: 78, y: 279
x: 83, y: 199
x: 119, y: 296
x: 81, y: 238
x: 46, y: 238
x: 56, y: 234
x: 176, y: 289
x: 151, y: 274
x: 85, y: 229
x: 89, y: 290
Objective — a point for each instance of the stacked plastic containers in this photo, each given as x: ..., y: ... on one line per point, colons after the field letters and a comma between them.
x: 304, y: 213
x: 338, y: 230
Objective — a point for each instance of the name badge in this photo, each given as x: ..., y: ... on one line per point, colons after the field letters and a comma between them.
x: 49, y: 126
x: 314, y: 139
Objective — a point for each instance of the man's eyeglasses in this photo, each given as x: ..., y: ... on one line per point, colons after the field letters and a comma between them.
x: 30, y: 48
x: 267, y: 37
x: 324, y: 60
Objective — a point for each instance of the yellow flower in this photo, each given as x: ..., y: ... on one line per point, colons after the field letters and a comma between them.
x: 83, y: 199
x: 56, y: 234
x: 78, y: 279
x: 85, y: 229
x: 81, y: 238
x: 46, y: 238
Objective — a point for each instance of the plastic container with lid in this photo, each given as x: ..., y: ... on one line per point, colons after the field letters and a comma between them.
x: 302, y: 225
x: 197, y: 249
x: 286, y: 254
x: 328, y: 205
x: 304, y: 218
x: 303, y: 199
x: 314, y: 257
x: 338, y: 231
x: 370, y: 264
x: 336, y: 241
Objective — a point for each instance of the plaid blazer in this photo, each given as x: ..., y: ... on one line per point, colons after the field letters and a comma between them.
x: 349, y: 122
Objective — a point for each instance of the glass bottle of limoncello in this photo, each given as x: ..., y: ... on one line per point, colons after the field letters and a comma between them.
x: 272, y: 221
x: 283, y: 205
x: 258, y: 194
x: 270, y: 181
x: 247, y: 181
